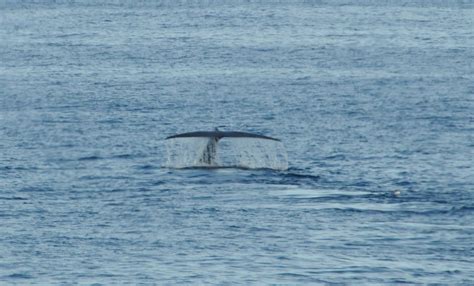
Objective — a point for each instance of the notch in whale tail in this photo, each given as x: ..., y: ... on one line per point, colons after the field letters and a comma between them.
x: 209, y: 155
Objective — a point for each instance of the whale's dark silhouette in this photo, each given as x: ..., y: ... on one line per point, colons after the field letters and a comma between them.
x: 208, y: 156
x: 221, y: 134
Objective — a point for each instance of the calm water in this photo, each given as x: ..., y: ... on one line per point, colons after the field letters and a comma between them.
x: 368, y: 99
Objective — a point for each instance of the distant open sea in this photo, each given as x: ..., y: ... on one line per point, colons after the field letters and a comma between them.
x: 374, y: 101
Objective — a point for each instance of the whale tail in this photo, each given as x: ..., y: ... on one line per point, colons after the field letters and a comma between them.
x: 221, y: 134
x: 208, y: 156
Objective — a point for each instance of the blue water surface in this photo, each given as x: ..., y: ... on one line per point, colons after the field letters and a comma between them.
x: 373, y: 100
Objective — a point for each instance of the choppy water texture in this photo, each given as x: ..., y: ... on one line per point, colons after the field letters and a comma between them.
x: 368, y: 97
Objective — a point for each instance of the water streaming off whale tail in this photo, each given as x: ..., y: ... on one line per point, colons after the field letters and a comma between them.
x: 252, y: 153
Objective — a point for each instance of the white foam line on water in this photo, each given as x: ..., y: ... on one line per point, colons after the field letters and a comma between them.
x: 316, y: 193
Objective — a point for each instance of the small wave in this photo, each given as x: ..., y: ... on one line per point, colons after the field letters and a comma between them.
x: 300, y: 277
x: 36, y: 189
x: 462, y: 210
x: 17, y: 168
x: 335, y: 157
x: 19, y: 276
x: 302, y: 176
x: 90, y: 158
x: 303, y: 78
x: 398, y: 211
x: 13, y: 198
x: 146, y: 167
x: 259, y: 229
x: 360, y: 184
x: 94, y: 177
x: 302, y: 195
x: 124, y: 156
x: 293, y: 178
x: 68, y: 35
x: 403, y: 183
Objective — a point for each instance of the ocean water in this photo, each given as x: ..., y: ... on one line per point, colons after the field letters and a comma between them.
x: 373, y: 100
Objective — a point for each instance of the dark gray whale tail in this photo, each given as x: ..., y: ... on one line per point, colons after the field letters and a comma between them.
x: 209, y: 154
x: 221, y: 134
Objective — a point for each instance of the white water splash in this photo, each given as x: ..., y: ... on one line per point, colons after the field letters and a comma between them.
x: 252, y: 153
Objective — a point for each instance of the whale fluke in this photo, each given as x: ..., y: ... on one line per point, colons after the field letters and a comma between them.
x: 221, y: 134
x: 209, y: 154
